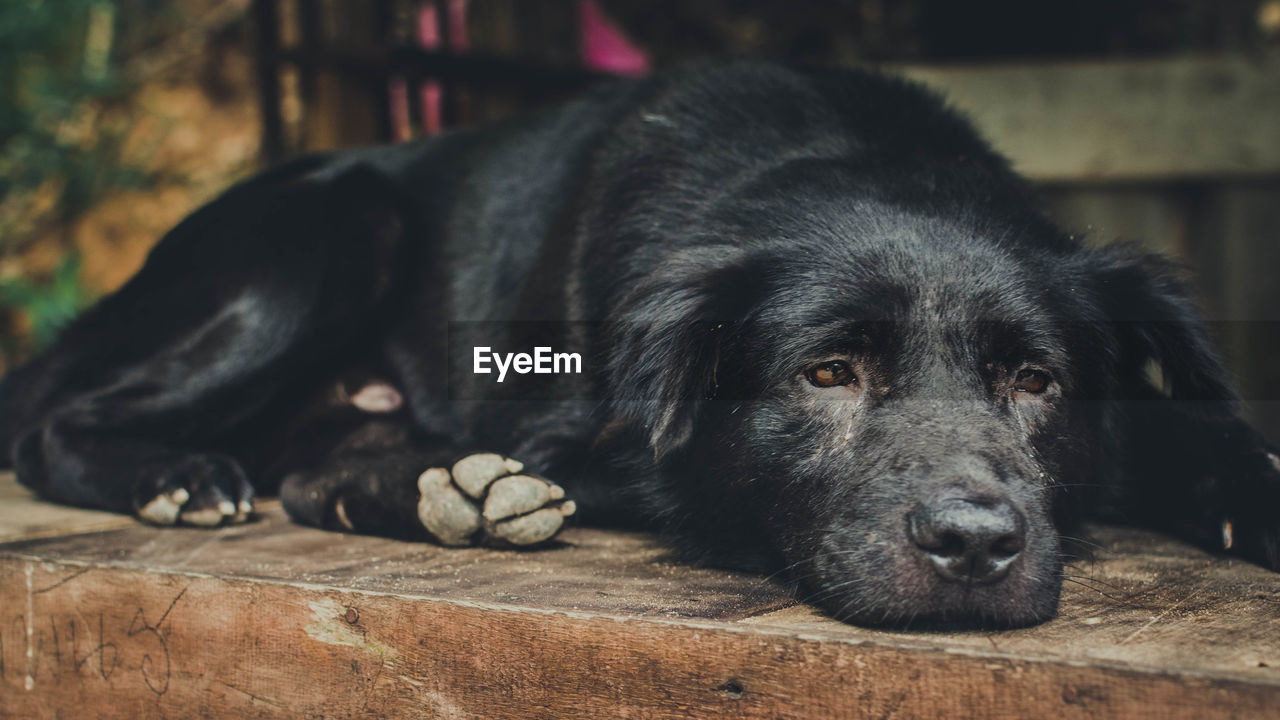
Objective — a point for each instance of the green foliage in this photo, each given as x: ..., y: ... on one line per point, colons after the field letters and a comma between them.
x: 62, y: 71
x: 58, y: 63
x: 50, y: 305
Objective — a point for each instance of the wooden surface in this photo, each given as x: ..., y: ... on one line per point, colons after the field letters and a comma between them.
x: 1136, y: 120
x: 22, y: 516
x: 275, y: 620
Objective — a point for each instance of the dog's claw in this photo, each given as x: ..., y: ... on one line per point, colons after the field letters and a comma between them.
x: 172, y: 509
x: 481, y: 499
x: 196, y: 490
x: 164, y: 508
x: 377, y: 398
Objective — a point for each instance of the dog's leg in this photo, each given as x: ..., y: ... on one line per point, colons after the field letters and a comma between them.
x: 355, y: 460
x: 1190, y: 463
x: 81, y: 464
x: 138, y: 406
x: 1212, y: 480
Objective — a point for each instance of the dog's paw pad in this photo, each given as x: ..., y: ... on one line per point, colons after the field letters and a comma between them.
x: 517, y: 495
x: 481, y: 499
x: 532, y: 528
x: 202, y: 491
x: 474, y: 473
x: 445, y: 512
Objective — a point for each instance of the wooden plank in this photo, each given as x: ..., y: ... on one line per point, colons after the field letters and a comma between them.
x: 1133, y: 120
x: 275, y: 620
x: 24, y: 516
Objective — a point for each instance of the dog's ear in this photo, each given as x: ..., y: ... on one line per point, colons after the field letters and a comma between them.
x: 670, y: 336
x: 1156, y: 320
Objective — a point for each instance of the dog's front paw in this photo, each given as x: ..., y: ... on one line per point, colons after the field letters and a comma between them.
x: 1250, y: 526
x: 483, y: 498
x: 203, y: 490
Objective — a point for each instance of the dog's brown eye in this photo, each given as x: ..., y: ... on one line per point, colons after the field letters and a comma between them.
x: 1031, y: 381
x: 830, y: 374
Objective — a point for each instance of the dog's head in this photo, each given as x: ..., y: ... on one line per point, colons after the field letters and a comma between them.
x: 898, y: 407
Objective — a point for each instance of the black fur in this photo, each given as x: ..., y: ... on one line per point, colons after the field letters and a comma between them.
x: 704, y: 239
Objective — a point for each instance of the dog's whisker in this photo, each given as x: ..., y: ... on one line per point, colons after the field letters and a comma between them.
x: 1109, y: 596
x: 1090, y: 578
x: 1083, y: 541
x: 830, y: 592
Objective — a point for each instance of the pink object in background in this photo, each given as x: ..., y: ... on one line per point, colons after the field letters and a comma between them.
x: 605, y: 47
x: 430, y: 93
x: 457, y: 11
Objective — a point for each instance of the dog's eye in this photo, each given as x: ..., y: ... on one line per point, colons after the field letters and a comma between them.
x: 1031, y: 381
x: 830, y: 374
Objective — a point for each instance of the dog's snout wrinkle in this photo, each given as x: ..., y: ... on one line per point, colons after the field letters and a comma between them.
x: 972, y: 539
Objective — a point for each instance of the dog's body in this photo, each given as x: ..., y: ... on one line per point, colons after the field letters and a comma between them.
x: 822, y: 328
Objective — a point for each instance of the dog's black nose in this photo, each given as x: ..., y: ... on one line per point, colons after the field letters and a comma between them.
x: 968, y: 540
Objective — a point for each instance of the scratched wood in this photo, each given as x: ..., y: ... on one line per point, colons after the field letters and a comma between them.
x: 274, y: 620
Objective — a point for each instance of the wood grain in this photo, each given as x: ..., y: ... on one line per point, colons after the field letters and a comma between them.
x: 275, y: 620
x: 135, y: 644
x: 23, y: 516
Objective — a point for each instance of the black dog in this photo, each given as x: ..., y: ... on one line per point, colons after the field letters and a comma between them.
x: 822, y: 328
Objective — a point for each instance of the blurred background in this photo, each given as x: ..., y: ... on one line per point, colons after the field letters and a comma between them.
x: 1156, y: 121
